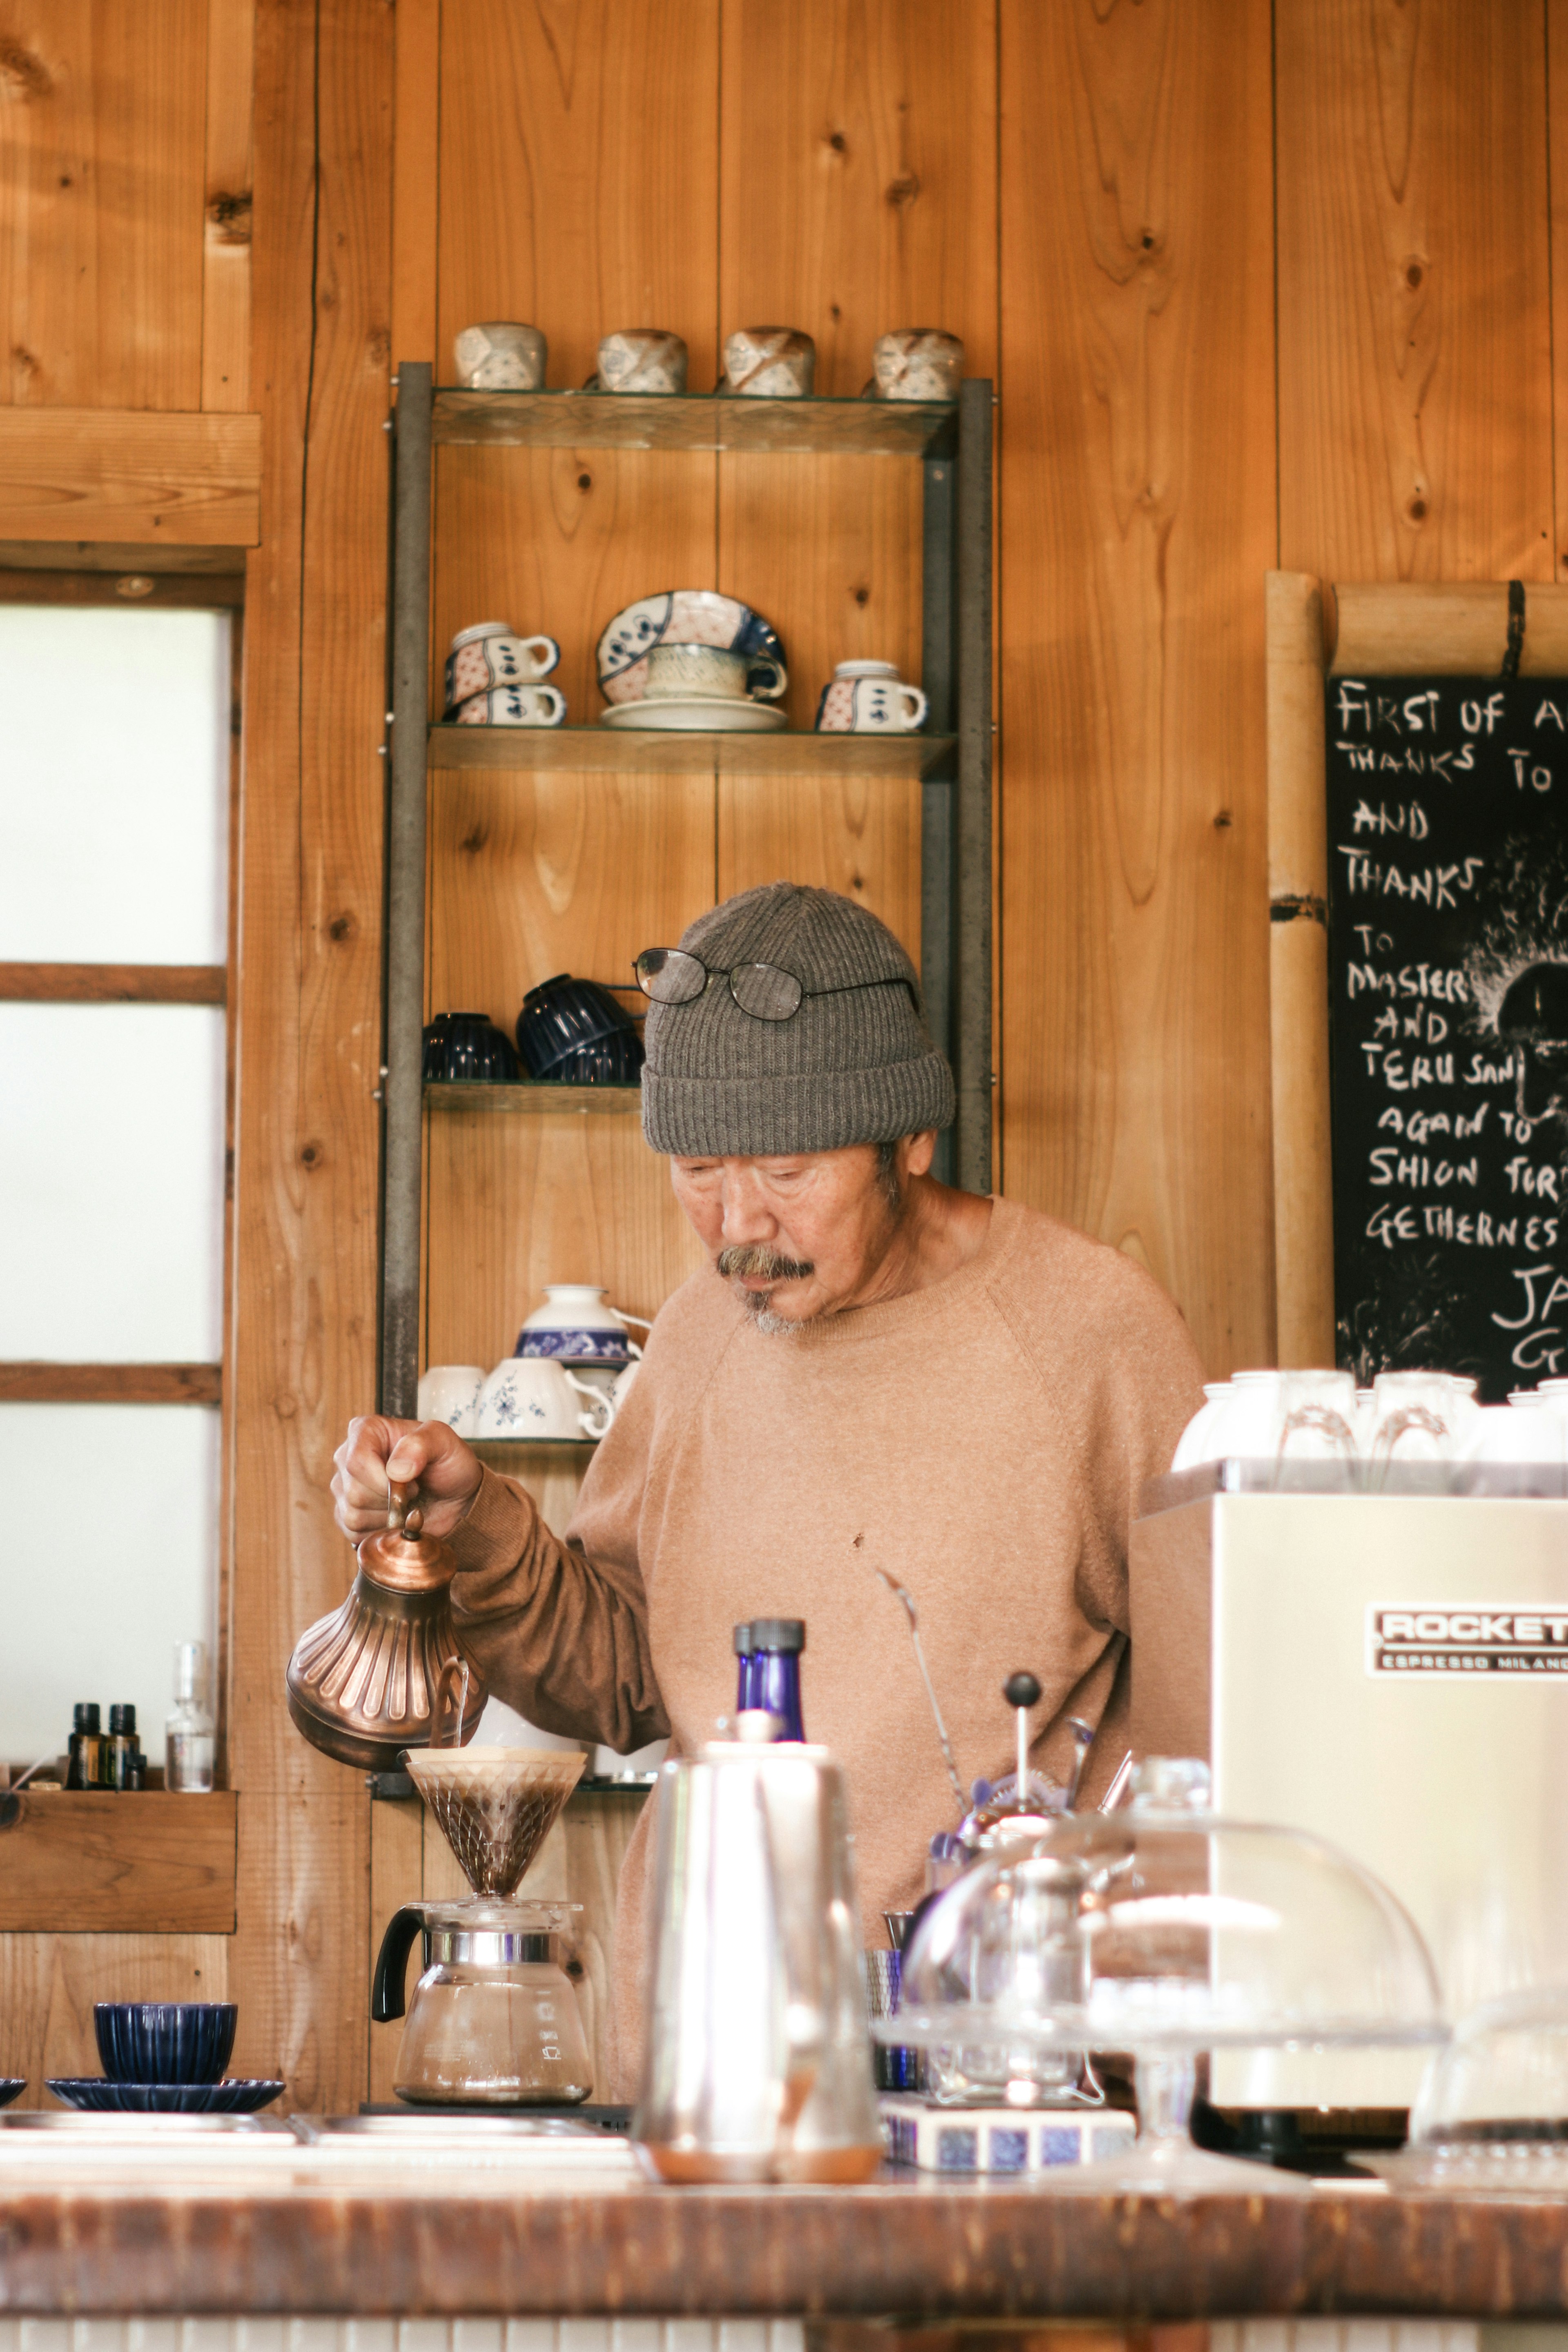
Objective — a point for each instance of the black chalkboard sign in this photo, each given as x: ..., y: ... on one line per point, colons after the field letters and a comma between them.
x: 1447, y: 920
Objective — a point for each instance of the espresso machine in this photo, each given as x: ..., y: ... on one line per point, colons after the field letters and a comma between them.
x: 1388, y: 1669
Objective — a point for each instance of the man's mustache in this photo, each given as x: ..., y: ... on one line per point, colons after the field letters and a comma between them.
x: 733, y: 1263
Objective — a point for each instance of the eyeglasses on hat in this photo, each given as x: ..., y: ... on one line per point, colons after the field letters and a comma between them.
x: 765, y: 990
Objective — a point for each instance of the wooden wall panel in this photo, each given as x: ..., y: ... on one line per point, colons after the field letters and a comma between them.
x: 310, y: 1008
x: 416, y: 157
x: 100, y: 227
x: 579, y: 173
x: 1415, y: 317
x: 519, y: 1201
x: 859, y: 195
x: 860, y: 173
x: 860, y: 834
x: 226, y: 270
x: 1137, y: 469
x: 533, y: 873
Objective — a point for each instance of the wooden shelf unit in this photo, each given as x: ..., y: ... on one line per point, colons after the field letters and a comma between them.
x: 949, y: 770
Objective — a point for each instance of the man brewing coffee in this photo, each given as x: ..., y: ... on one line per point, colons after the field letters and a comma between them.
x: 876, y: 1375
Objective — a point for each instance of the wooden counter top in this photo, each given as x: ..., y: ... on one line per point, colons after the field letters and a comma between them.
x: 912, y: 2246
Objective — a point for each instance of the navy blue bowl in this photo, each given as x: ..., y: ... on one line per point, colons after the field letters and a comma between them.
x: 613, y: 1062
x: 164, y: 2041
x: 562, y: 1016
x: 467, y: 1049
x: 435, y: 1038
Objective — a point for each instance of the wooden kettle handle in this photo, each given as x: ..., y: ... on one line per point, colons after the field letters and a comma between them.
x: 402, y: 1495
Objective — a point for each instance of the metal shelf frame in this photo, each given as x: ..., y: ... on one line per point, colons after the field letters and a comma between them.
x: 953, y: 445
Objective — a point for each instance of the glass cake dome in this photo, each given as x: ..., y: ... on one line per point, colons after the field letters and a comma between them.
x: 1492, y: 2112
x: 1166, y: 1931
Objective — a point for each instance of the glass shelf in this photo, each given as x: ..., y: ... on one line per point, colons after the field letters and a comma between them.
x: 665, y: 751
x: 534, y: 1094
x: 696, y: 421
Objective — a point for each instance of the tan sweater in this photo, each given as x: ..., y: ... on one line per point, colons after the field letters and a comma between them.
x: 984, y: 1439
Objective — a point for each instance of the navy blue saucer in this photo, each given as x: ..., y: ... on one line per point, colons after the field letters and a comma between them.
x: 10, y: 2084
x: 101, y: 2097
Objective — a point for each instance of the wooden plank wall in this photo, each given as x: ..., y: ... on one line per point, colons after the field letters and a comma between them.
x: 1259, y: 281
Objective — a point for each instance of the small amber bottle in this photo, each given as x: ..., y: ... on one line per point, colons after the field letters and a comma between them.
x: 85, y: 1768
x: 124, y: 1766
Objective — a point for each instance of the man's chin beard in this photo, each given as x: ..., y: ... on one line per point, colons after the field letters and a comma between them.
x: 734, y: 1265
x: 763, y: 1319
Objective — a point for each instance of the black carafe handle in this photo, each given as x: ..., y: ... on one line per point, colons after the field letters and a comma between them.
x: 392, y: 1963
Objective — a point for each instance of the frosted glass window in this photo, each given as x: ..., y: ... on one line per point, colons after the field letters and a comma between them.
x: 99, y: 1590
x: 114, y: 780
x: 112, y: 1142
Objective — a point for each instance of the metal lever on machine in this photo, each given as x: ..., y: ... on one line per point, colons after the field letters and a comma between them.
x: 1023, y: 1692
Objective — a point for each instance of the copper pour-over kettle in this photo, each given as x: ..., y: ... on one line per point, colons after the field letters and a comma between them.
x: 364, y: 1682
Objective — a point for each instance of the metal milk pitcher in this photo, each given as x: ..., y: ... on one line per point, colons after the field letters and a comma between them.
x: 758, y: 2063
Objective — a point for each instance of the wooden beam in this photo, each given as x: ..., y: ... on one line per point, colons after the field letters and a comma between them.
x: 1443, y: 628
x: 309, y: 921
x: 1299, y: 973
x: 111, y: 1383
x: 77, y: 1861
x: 112, y: 984
x: 45, y: 555
x: 179, y: 591
x: 130, y: 475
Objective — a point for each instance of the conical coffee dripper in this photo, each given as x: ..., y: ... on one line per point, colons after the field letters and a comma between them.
x: 496, y: 1806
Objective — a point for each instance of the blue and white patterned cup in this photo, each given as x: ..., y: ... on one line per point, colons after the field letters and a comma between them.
x: 491, y: 655
x: 675, y: 671
x: 513, y: 705
x: 869, y: 697
x: 577, y: 1326
x: 526, y: 1397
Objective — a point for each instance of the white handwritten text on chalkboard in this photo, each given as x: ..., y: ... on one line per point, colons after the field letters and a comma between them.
x: 1448, y: 918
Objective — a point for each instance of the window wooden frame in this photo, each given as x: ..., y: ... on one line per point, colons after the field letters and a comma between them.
x: 99, y: 576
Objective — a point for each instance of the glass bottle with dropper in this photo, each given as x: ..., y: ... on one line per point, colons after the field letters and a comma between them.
x: 189, y: 1745
x: 776, y: 1645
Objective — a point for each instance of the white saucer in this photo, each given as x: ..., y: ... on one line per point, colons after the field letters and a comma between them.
x: 721, y: 713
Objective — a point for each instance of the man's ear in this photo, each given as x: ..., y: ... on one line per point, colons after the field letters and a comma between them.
x: 916, y: 1152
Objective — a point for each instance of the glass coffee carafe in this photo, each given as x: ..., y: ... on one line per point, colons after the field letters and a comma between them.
x: 493, y: 2019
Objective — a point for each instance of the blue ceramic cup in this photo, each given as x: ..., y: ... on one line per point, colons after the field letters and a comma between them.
x: 164, y: 2041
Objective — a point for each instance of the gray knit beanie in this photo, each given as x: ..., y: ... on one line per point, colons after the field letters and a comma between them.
x: 850, y: 1068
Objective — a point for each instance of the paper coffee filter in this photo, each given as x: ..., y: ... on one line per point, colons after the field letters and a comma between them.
x: 495, y: 1805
